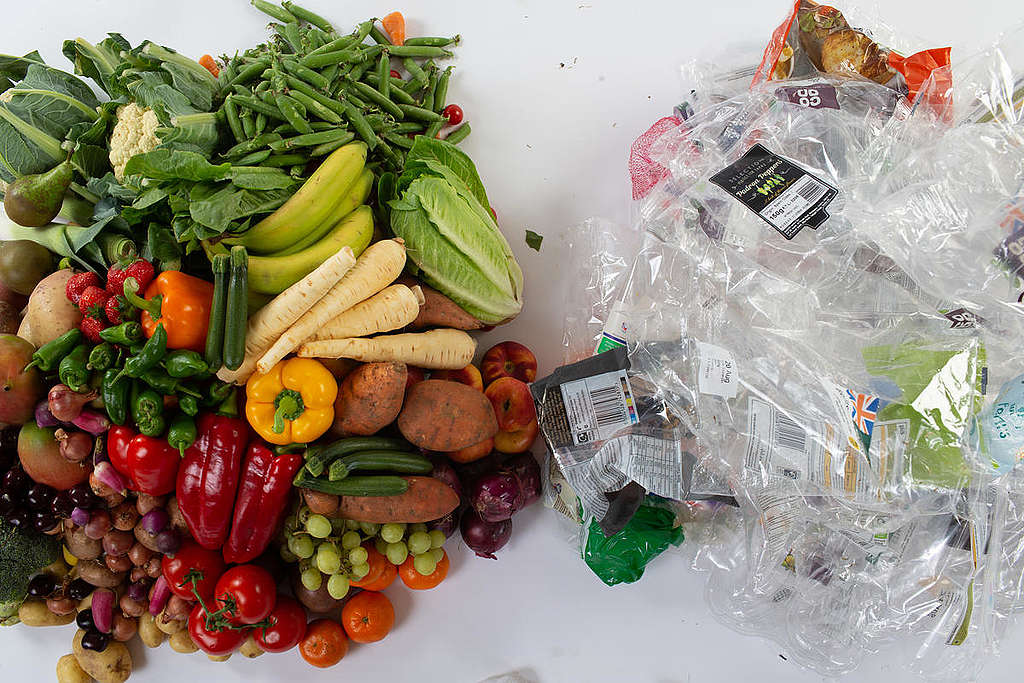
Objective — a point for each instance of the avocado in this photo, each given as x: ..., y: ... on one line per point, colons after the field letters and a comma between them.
x: 34, y: 200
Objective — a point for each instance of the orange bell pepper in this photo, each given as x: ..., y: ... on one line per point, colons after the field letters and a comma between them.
x: 181, y: 302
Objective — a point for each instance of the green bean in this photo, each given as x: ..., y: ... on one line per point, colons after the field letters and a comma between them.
x: 254, y: 158
x: 428, y: 97
x: 433, y: 41
x: 248, y: 124
x: 282, y: 160
x: 395, y: 139
x: 305, y: 89
x: 378, y: 36
x: 251, y: 71
x: 459, y: 134
x: 441, y: 94
x: 290, y: 33
x: 420, y: 51
x: 260, y: 107
x: 315, y: 108
x: 311, y: 139
x: 416, y: 74
x: 433, y: 129
x: 272, y: 10
x: 375, y: 95
x: 335, y: 45
x: 305, y: 73
x: 234, y: 123
x: 407, y: 127
x: 325, y: 58
x: 384, y: 75
x: 328, y: 147
x: 419, y: 113
x: 307, y: 16
x: 361, y: 126
x: 290, y: 109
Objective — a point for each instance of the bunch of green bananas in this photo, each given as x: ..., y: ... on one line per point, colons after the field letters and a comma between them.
x: 324, y: 215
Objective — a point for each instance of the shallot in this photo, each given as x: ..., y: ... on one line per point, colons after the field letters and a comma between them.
x: 159, y: 595
x: 74, y: 446
x: 103, y: 609
x: 66, y: 404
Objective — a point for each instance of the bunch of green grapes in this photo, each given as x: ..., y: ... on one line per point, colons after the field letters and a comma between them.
x: 398, y: 541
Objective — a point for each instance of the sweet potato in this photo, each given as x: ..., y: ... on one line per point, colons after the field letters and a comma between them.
x: 438, y: 310
x: 369, y: 399
x: 425, y: 500
x: 446, y: 416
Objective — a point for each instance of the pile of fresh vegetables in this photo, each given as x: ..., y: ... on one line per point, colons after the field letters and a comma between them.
x: 236, y: 298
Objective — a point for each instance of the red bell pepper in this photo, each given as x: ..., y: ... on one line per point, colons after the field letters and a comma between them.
x: 262, y: 498
x: 149, y: 464
x: 208, y: 477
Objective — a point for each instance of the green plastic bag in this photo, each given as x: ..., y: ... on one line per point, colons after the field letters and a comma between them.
x: 622, y: 558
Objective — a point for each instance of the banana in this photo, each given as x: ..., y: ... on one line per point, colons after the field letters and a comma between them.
x: 355, y: 196
x: 310, y: 205
x: 275, y: 273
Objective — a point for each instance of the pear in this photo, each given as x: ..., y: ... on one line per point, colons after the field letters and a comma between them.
x: 34, y: 200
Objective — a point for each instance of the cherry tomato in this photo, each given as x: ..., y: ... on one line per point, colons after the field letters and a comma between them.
x: 287, y: 626
x: 249, y: 592
x: 192, y: 559
x: 213, y: 642
x: 367, y: 617
x: 413, y: 579
x: 453, y: 113
x: 395, y: 74
x: 324, y: 644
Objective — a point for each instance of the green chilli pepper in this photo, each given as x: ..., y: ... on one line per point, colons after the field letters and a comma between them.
x: 125, y: 334
x: 151, y: 353
x: 185, y: 363
x: 163, y: 383
x: 73, y: 370
x: 189, y: 405
x: 102, y: 357
x: 115, y: 396
x: 50, y: 354
x: 182, y: 432
x: 148, y: 411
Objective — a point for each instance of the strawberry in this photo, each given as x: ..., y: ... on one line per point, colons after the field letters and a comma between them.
x: 91, y: 328
x: 118, y: 310
x: 141, y: 270
x: 92, y: 302
x: 78, y: 283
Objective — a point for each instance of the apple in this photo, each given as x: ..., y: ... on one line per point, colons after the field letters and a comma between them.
x: 518, y: 441
x: 509, y: 359
x: 414, y: 375
x: 512, y: 403
x: 468, y: 375
x: 472, y: 453
x: 19, y: 391
x: 40, y: 457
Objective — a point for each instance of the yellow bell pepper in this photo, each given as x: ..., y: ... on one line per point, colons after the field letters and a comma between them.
x: 293, y: 403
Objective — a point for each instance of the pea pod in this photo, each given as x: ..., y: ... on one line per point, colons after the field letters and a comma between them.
x: 459, y: 134
x: 419, y: 113
x: 305, y: 73
x: 313, y: 139
x: 441, y: 93
x: 314, y: 107
x: 319, y: 61
x: 254, y: 158
x: 260, y: 107
x: 336, y: 45
x: 395, y: 91
x: 250, y: 72
x: 114, y: 392
x: 433, y: 41
x: 361, y: 126
x: 375, y: 96
x: 384, y: 74
x: 419, y: 51
x: 49, y: 355
x: 274, y: 11
x: 303, y: 14
x: 305, y: 89
x: 234, y: 123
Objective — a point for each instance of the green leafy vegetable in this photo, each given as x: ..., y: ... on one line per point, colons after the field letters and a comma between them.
x: 533, y: 240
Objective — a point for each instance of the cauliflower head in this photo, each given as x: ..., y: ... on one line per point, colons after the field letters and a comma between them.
x: 134, y: 133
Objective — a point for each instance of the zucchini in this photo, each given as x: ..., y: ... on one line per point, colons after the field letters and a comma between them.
x: 383, y: 461
x: 319, y: 457
x: 383, y: 485
x: 215, y: 332
x: 236, y: 310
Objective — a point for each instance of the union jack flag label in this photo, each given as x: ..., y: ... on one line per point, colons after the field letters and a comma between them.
x: 864, y: 411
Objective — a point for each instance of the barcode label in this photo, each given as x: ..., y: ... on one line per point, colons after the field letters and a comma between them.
x: 812, y: 191
x: 795, y: 203
x: 788, y: 434
x: 597, y: 407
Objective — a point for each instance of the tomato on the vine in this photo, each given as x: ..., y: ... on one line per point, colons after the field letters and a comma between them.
x: 192, y: 560
x: 247, y: 593
x: 213, y: 641
x: 324, y: 644
x: 287, y: 626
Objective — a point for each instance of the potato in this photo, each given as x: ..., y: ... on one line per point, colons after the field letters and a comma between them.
x: 446, y: 416
x: 69, y: 671
x: 34, y: 612
x: 182, y: 642
x: 149, y: 634
x: 369, y: 398
x: 81, y: 546
x: 113, y: 665
x: 10, y: 319
x: 49, y: 314
x: 169, y: 625
x: 98, y: 574
x: 318, y: 601
x: 219, y: 658
x: 249, y: 648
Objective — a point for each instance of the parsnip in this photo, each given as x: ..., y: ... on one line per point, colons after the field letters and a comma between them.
x: 389, y: 309
x: 271, y: 321
x: 443, y: 349
x: 374, y: 270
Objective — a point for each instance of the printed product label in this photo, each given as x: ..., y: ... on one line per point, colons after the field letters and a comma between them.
x: 961, y: 319
x: 784, y: 195
x: 615, y: 330
x: 597, y: 407
x: 717, y: 371
x: 820, y: 96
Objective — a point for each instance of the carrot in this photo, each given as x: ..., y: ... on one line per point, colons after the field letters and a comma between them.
x: 389, y: 309
x: 442, y: 349
x: 206, y: 61
x: 271, y: 321
x: 394, y: 24
x: 374, y: 270
x: 425, y: 500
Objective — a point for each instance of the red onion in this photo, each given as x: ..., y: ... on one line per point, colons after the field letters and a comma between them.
x: 80, y: 516
x: 103, y: 609
x: 527, y: 472
x: 447, y: 524
x: 91, y: 421
x: 155, y: 520
x: 443, y: 471
x: 74, y: 446
x: 159, y: 595
x: 44, y: 418
x: 495, y: 496
x: 167, y: 542
x: 138, y: 591
x: 107, y: 476
x: 484, y: 538
x: 65, y: 404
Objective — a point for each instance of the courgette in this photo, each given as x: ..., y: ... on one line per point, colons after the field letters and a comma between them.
x: 383, y: 485
x: 215, y: 332
x: 379, y: 461
x: 236, y: 310
x: 319, y: 457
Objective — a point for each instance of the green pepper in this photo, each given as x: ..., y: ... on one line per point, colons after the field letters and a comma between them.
x: 150, y: 354
x: 126, y: 333
x: 102, y: 357
x: 163, y: 383
x: 185, y: 363
x: 147, y: 411
x: 182, y: 432
x: 115, y: 396
x: 217, y: 393
x: 72, y: 368
x: 189, y: 405
x: 50, y: 354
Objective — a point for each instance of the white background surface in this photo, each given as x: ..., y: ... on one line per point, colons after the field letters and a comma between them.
x: 551, y: 144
